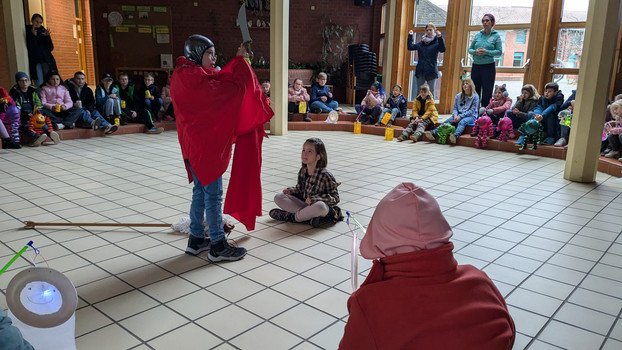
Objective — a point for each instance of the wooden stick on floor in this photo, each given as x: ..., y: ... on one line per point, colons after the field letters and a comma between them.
x: 32, y: 224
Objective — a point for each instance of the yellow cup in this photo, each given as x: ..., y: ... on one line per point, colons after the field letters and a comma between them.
x: 147, y: 94
x: 117, y: 121
x: 389, y: 133
x: 57, y: 107
x: 122, y: 103
x: 357, y: 127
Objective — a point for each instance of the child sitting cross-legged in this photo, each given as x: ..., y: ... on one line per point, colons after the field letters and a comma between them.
x: 424, y: 114
x: 396, y: 104
x: 321, y: 97
x: 464, y: 113
x: 296, y: 94
x: 371, y: 106
x: 525, y: 103
x: 314, y: 198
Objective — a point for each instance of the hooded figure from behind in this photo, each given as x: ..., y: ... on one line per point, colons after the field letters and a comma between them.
x: 416, y: 296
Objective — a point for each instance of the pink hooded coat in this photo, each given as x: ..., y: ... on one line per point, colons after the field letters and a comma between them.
x: 416, y: 296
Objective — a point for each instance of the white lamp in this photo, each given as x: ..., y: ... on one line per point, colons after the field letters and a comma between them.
x: 42, y: 304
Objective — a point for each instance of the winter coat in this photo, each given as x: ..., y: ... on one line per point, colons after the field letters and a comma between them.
x: 499, y: 106
x: 425, y: 300
x: 40, y: 49
x: 427, y: 65
x: 292, y: 96
x: 53, y: 95
x: 430, y: 109
x: 402, y: 104
x: 85, y: 95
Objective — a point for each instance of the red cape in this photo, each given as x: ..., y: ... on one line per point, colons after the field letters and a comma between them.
x: 214, y: 109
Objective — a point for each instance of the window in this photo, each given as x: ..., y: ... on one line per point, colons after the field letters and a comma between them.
x: 518, y: 59
x: 499, y: 61
x: 521, y: 36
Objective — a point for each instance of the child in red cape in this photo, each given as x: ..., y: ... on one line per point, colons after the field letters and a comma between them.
x: 416, y: 296
x: 214, y: 109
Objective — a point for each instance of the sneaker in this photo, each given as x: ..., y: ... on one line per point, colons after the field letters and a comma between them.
x: 430, y: 135
x: 40, y: 139
x: 96, y: 123
x: 319, y: 220
x: 561, y: 142
x: 222, y: 251
x: 281, y: 215
x: 155, y: 130
x: 60, y: 126
x: 307, y: 118
x: 548, y: 141
x: 605, y: 152
x: 197, y: 245
x: 8, y: 143
x: 612, y: 154
x: 401, y: 138
x: 452, y: 139
x: 620, y: 159
x: 55, y: 138
x: 110, y: 129
x: 415, y: 138
x: 520, y: 141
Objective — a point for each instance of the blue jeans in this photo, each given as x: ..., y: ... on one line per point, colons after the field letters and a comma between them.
x: 206, y: 200
x: 461, y: 124
x: 153, y: 106
x: 87, y: 117
x: 325, y: 107
x: 394, y: 112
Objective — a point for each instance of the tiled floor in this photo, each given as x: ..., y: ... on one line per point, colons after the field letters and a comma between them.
x: 552, y: 247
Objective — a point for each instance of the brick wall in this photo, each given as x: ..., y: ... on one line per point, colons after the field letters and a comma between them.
x: 5, y: 76
x: 216, y: 20
x: 60, y: 19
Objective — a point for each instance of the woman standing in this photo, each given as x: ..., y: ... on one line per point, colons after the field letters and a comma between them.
x: 428, y: 48
x: 40, y: 47
x: 486, y: 45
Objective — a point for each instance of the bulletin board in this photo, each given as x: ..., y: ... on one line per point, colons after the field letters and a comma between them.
x: 140, y: 35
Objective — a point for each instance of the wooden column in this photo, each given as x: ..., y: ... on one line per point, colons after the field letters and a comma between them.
x: 15, y: 32
x: 603, y: 23
x: 279, y: 54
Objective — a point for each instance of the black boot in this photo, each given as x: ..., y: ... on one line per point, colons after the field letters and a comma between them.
x: 8, y: 143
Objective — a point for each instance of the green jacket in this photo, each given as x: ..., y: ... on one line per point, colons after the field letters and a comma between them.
x: 491, y: 42
x: 18, y: 96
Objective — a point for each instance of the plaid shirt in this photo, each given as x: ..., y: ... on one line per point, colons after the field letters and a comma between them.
x: 320, y: 186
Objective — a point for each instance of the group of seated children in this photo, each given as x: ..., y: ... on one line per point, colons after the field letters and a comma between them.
x: 550, y: 110
x: 61, y: 105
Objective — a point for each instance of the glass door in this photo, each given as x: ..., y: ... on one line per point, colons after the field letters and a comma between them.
x: 513, y: 20
x: 568, y: 35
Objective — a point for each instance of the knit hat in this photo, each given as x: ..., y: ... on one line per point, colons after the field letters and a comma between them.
x: 407, y: 219
x: 20, y: 75
x: 195, y: 47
